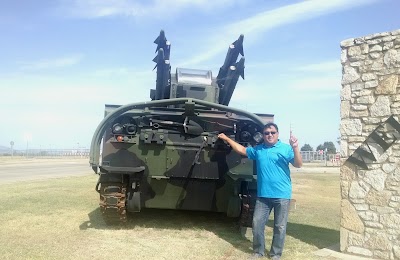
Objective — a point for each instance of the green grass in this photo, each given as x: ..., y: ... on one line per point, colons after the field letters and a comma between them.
x: 60, y: 219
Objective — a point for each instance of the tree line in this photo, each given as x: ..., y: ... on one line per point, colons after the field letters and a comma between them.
x: 328, y: 146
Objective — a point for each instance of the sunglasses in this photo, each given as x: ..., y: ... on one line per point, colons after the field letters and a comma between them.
x: 267, y: 133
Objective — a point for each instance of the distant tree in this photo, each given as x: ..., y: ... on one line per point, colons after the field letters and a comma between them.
x: 329, y: 146
x: 306, y: 147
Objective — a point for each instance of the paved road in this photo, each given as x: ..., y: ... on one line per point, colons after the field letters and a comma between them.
x: 34, y: 169
x: 13, y: 170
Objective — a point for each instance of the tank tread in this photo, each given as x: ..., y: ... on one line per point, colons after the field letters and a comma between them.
x: 113, y: 203
x: 248, y: 205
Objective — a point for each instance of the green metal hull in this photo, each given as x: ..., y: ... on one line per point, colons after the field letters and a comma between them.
x: 162, y: 165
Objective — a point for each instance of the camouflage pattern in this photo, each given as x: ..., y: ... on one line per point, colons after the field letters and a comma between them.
x: 165, y: 153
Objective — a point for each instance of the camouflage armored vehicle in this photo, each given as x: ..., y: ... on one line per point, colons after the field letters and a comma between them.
x: 165, y: 153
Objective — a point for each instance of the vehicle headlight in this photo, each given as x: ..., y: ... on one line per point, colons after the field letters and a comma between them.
x: 130, y: 129
x: 245, y: 136
x: 117, y: 128
x: 258, y: 137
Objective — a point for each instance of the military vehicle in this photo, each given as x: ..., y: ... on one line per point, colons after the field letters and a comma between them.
x: 166, y: 154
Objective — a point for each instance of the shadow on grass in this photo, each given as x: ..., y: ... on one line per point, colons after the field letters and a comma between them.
x: 164, y: 219
x: 312, y: 235
x: 224, y: 227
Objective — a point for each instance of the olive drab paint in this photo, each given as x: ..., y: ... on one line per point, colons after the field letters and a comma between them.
x: 165, y: 153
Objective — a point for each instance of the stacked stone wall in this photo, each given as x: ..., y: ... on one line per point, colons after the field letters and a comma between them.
x: 370, y: 95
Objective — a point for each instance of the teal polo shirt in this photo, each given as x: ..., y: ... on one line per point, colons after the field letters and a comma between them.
x: 273, y: 174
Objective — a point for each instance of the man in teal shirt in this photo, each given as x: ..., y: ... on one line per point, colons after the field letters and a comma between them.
x: 274, y: 186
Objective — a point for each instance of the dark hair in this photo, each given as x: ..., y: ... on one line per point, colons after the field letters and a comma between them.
x: 271, y: 124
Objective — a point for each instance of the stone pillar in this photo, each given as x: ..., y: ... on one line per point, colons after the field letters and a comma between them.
x: 370, y: 146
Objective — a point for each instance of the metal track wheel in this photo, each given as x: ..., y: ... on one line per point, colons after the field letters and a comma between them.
x: 248, y: 205
x: 113, y: 203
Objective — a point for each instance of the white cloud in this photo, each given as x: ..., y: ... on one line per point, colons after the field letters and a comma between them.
x: 51, y: 63
x: 112, y: 72
x: 49, y: 96
x: 306, y: 88
x: 157, y: 9
x: 125, y: 72
x: 297, y: 82
x: 261, y: 65
x: 119, y: 85
x: 255, y: 27
x: 328, y: 66
x: 325, y: 85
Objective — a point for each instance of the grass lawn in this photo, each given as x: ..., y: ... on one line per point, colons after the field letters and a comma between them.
x: 60, y: 219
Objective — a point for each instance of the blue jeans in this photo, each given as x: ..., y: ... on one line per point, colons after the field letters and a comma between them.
x: 262, y: 210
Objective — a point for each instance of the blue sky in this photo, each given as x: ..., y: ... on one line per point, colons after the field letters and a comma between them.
x: 62, y: 60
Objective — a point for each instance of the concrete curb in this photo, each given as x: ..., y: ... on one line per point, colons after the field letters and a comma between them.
x: 333, y: 252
